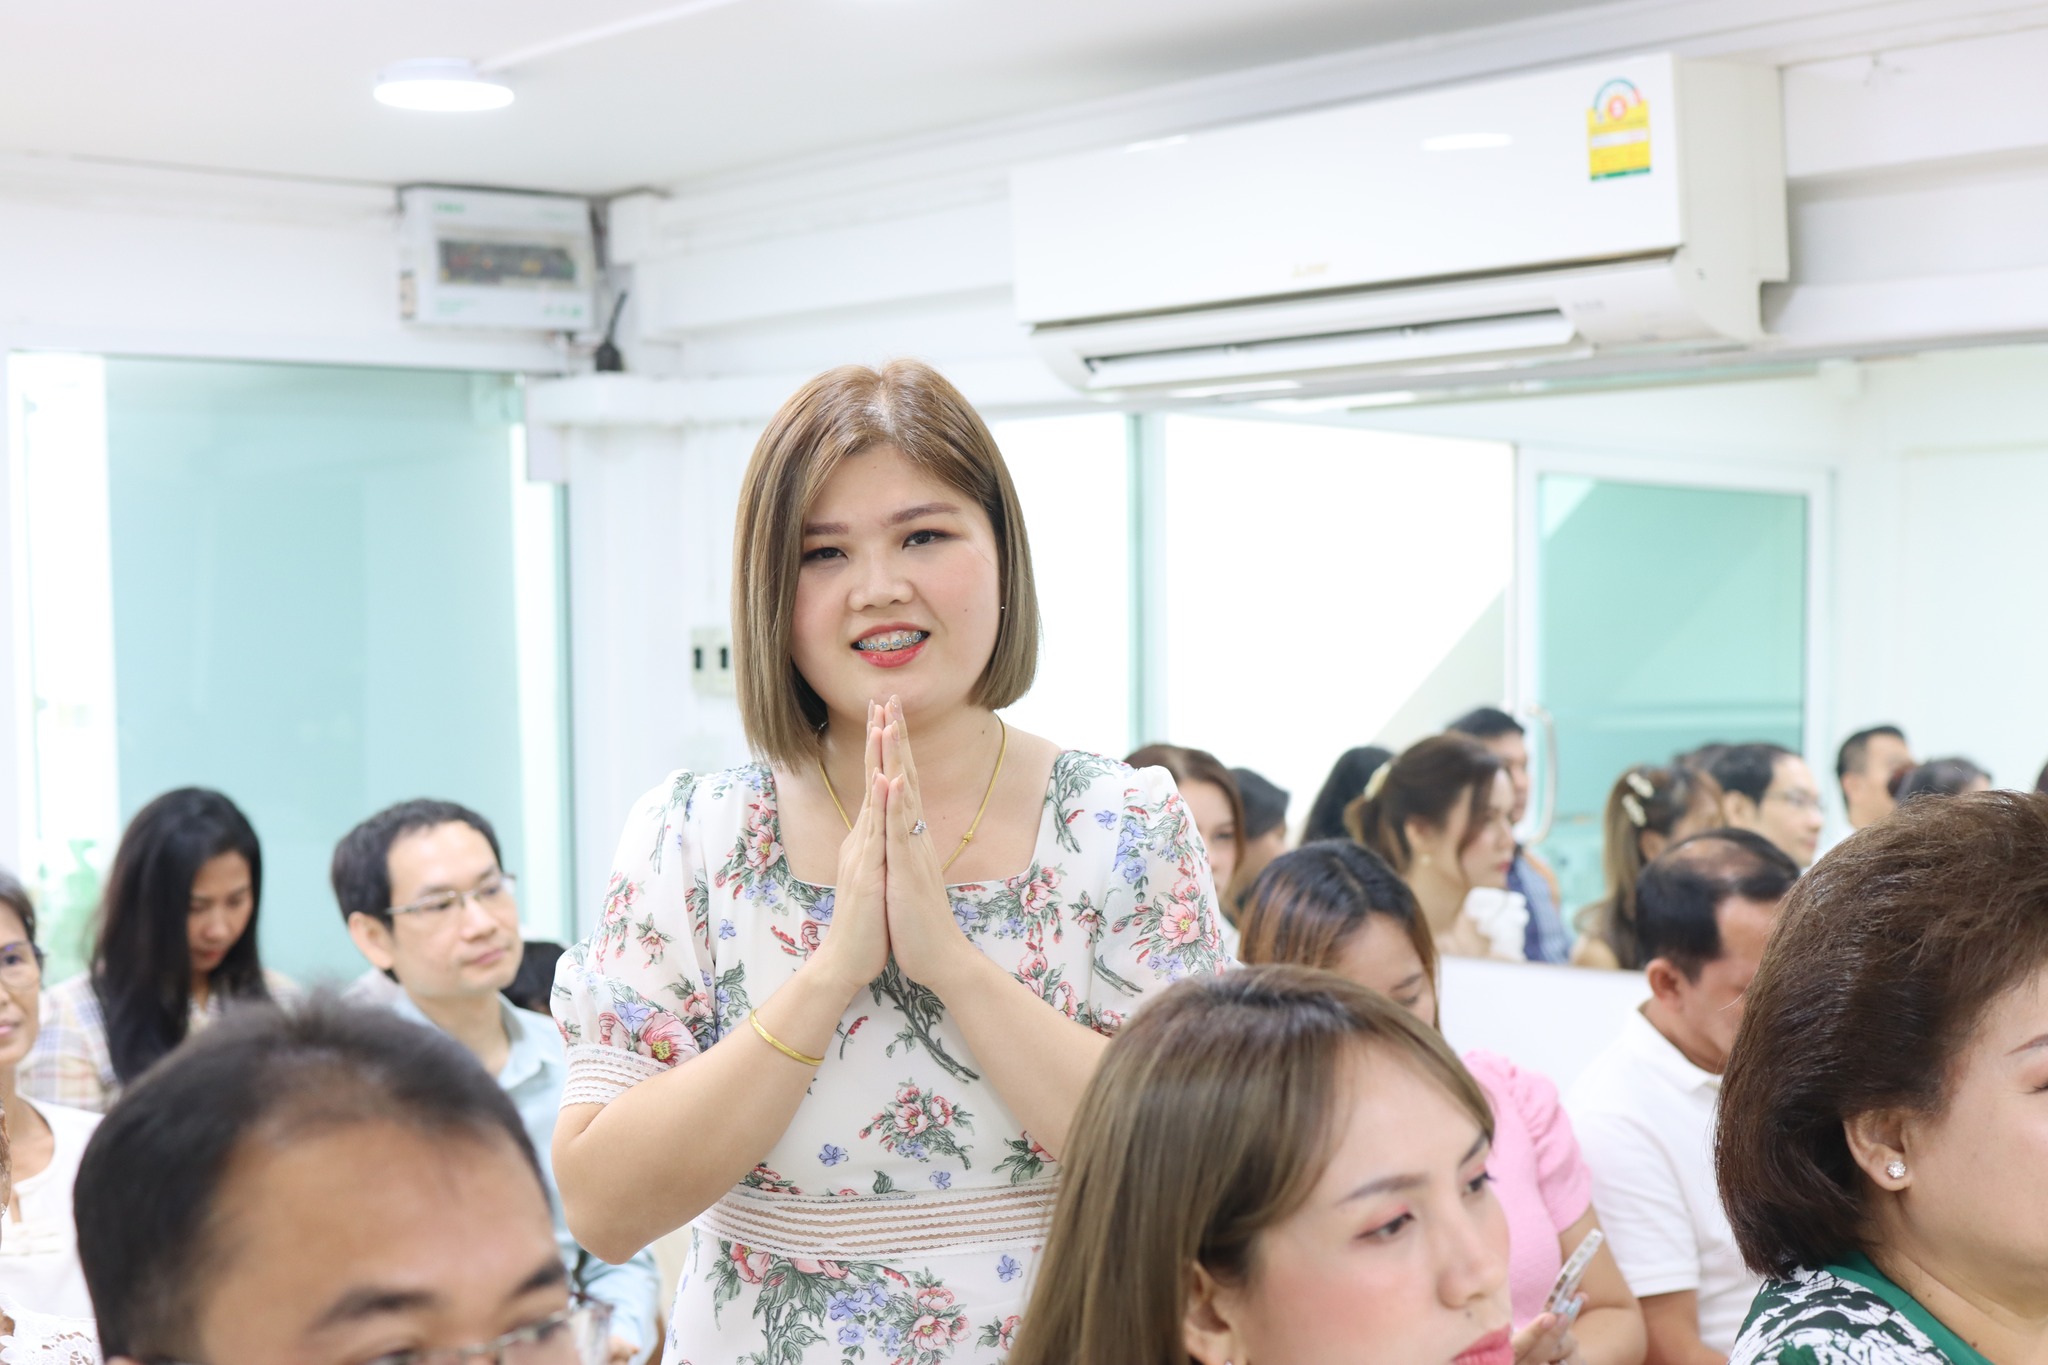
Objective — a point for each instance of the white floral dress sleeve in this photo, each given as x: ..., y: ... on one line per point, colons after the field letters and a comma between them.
x: 1158, y: 921
x: 40, y: 1339
x: 634, y: 999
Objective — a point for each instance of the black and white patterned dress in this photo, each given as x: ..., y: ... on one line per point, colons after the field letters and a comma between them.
x: 1847, y: 1314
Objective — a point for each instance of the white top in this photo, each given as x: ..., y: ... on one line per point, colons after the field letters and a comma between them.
x: 39, y: 1254
x: 42, y: 1339
x: 1645, y: 1120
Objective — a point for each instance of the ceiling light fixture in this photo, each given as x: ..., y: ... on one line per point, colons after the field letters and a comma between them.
x: 1466, y: 142
x: 441, y: 85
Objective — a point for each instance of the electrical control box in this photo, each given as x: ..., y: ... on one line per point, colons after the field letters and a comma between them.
x: 482, y: 258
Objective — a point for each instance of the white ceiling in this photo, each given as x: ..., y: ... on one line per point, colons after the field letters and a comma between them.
x: 263, y: 86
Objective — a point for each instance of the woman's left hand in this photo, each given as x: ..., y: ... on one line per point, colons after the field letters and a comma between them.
x: 923, y: 935
x: 1548, y: 1341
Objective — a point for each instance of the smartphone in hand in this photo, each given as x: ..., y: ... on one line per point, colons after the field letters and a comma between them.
x: 1566, y: 1288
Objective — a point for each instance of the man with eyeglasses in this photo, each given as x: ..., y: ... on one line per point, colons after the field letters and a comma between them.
x: 428, y: 902
x: 1769, y: 790
x: 331, y: 1186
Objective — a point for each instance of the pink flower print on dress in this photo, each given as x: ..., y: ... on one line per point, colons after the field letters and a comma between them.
x: 831, y: 1270
x: 762, y: 852
x: 909, y: 1094
x: 911, y: 1120
x: 1183, y: 923
x: 610, y: 1029
x: 752, y: 1266
x: 934, y: 1298
x: 941, y: 1111
x: 664, y: 1039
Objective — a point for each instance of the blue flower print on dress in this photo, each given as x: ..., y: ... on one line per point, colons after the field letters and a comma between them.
x: 821, y: 908
x: 1106, y: 818
x: 1007, y: 1269
x: 943, y: 1179
x: 725, y: 929
x: 849, y: 1335
x: 832, y: 1156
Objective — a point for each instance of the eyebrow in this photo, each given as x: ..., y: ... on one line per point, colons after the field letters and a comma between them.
x: 1388, y: 1184
x: 917, y: 513
x: 434, y: 887
x: 358, y: 1305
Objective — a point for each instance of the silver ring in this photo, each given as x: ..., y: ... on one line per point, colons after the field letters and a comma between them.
x: 917, y: 828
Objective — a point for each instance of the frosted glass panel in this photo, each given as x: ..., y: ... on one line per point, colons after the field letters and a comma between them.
x: 1668, y: 617
x: 1073, y: 478
x: 1328, y: 587
x: 321, y: 580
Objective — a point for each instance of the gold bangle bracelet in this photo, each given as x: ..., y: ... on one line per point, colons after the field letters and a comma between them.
x: 754, y: 1018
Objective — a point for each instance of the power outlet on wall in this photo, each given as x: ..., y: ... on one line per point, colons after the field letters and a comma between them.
x: 711, y: 660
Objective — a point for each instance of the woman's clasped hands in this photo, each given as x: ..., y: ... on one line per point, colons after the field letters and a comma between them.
x: 890, y: 897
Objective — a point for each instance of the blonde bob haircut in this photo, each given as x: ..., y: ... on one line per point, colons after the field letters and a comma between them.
x: 1213, y: 1115
x: 840, y: 414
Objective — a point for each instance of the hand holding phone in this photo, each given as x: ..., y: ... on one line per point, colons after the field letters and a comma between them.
x: 1564, y: 1291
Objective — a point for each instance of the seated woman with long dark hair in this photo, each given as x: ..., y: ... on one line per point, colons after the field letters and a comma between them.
x: 1274, y: 1165
x: 176, y: 948
x: 1884, y: 1113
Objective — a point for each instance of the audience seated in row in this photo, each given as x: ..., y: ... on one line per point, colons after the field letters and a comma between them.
x: 426, y: 898
x: 176, y: 948
x: 1339, y: 906
x: 1644, y: 1109
x: 1768, y: 790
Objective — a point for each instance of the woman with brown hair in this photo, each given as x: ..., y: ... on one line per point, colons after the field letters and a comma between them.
x: 1883, y: 1138
x: 843, y: 1002
x: 1338, y: 906
x: 1275, y: 1166
x: 1439, y: 815
x: 1648, y: 811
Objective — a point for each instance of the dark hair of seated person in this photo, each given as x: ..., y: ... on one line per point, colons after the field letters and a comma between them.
x: 1345, y: 784
x: 361, y: 870
x: 1265, y: 803
x: 1937, y: 777
x: 533, y: 986
x: 1678, y: 899
x: 1486, y: 722
x: 142, y: 962
x: 1747, y: 769
x: 151, y: 1175
x: 1886, y: 958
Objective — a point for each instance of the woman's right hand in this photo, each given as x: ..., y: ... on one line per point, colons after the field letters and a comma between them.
x: 1548, y: 1340
x: 855, y: 948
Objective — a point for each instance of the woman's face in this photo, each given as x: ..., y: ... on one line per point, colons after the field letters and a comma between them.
x: 899, y: 593
x: 21, y: 984
x: 1486, y: 859
x: 1381, y: 957
x: 1975, y: 1208
x: 1209, y: 807
x: 1399, y: 1255
x: 223, y: 899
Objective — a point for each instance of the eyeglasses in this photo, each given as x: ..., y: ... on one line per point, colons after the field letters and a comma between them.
x: 578, y: 1335
x: 21, y: 965
x: 495, y: 895
x: 1799, y: 801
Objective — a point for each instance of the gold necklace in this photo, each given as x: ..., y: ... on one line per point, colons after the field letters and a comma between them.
x: 966, y: 838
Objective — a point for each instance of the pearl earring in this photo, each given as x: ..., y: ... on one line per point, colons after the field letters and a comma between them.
x: 1896, y: 1169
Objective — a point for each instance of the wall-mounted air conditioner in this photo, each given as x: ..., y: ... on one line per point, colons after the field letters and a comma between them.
x: 1636, y: 204
x: 477, y: 258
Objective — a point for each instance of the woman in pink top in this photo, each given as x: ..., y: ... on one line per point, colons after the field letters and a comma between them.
x: 1338, y: 905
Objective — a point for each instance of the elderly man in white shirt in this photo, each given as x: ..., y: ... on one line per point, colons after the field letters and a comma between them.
x: 1644, y: 1110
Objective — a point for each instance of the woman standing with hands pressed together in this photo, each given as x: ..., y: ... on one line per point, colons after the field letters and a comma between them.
x: 843, y: 1002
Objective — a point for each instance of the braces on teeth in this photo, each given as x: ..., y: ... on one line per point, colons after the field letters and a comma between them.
x: 895, y: 639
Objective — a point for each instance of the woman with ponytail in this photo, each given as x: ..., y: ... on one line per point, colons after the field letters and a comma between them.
x: 1649, y: 810
x: 1439, y: 815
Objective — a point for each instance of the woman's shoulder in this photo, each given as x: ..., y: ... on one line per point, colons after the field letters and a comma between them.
x: 41, y: 1339
x: 68, y: 1123
x: 1092, y: 777
x: 1820, y: 1318
x: 698, y: 796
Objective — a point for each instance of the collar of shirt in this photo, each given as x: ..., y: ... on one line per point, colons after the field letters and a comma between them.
x: 1663, y: 1055
x: 529, y: 1054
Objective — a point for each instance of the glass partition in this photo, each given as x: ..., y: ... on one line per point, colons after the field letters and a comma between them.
x: 325, y: 589
x: 1666, y: 617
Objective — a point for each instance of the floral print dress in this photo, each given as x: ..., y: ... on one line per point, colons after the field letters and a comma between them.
x: 898, y: 1218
